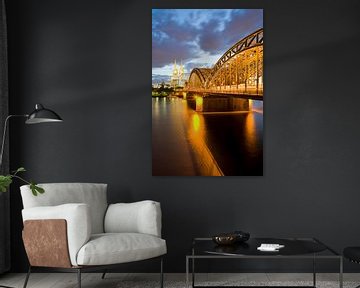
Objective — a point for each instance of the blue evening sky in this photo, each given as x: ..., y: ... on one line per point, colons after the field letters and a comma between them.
x: 197, y: 37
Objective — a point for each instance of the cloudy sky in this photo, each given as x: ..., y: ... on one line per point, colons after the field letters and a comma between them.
x: 197, y: 37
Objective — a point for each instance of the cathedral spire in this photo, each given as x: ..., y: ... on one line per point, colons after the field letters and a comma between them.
x: 177, y: 77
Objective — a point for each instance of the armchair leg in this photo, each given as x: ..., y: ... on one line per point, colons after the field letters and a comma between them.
x: 27, y: 277
x: 103, y: 275
x: 79, y: 277
x: 161, y: 273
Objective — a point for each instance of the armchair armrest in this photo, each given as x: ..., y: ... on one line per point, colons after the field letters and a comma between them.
x: 77, y: 217
x: 138, y: 217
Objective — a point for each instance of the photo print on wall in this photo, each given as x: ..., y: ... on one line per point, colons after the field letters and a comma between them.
x: 207, y: 92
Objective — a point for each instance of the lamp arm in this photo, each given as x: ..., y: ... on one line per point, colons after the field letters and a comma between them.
x: 4, y: 134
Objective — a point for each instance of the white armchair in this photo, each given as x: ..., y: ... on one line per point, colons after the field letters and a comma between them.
x: 72, y: 228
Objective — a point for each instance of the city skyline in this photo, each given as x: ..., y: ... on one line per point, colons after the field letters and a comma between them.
x: 196, y: 37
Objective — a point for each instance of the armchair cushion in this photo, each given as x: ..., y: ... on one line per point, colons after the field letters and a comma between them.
x: 113, y: 248
x: 78, y: 221
x: 138, y: 217
x: 92, y: 194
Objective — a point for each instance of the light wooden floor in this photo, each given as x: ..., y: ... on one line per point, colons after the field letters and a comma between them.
x: 115, y: 280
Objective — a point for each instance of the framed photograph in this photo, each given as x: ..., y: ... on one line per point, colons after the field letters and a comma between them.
x: 207, y: 92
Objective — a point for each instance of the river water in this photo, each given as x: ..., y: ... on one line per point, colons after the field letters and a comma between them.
x: 189, y: 143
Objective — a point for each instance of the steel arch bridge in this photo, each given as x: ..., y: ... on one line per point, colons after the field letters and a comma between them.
x: 239, y: 71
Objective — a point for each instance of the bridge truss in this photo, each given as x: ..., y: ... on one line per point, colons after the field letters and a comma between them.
x: 238, y: 71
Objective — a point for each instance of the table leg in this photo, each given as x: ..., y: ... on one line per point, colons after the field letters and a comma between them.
x: 314, y: 271
x: 187, y: 272
x: 193, y: 267
x: 193, y: 272
x: 341, y: 273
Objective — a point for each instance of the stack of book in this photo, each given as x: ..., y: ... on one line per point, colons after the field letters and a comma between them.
x: 270, y: 247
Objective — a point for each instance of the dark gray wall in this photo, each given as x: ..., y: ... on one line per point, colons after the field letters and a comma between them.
x: 91, y: 61
x: 4, y: 166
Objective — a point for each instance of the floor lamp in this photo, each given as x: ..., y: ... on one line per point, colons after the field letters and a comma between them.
x: 39, y: 115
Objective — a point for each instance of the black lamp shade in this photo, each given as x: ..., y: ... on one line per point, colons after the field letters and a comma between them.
x: 42, y: 115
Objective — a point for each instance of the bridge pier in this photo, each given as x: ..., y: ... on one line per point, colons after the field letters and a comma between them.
x: 239, y: 104
x: 220, y: 104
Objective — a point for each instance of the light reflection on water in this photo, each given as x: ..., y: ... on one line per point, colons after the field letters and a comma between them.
x: 186, y: 142
x: 250, y: 135
x: 203, y: 158
x: 196, y: 122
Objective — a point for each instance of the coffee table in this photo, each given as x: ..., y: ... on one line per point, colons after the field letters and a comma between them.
x: 294, y: 248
